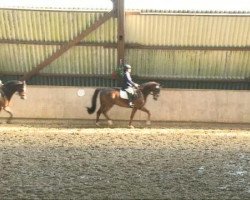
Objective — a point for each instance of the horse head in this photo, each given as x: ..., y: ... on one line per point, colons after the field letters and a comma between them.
x: 156, y: 91
x: 22, y: 89
x: 152, y: 88
x: 11, y: 87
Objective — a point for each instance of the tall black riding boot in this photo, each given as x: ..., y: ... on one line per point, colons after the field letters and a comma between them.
x: 130, y: 98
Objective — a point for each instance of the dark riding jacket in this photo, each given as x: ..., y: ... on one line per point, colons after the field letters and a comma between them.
x: 127, y: 81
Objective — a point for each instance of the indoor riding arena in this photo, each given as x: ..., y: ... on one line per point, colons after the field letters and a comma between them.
x: 167, y: 161
x: 191, y: 139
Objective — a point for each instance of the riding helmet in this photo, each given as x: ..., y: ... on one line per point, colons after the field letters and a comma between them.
x: 127, y: 66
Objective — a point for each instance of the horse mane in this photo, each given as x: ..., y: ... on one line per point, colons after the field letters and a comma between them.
x: 13, y: 82
x: 149, y: 83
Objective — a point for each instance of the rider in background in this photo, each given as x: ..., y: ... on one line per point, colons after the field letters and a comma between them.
x: 128, y: 84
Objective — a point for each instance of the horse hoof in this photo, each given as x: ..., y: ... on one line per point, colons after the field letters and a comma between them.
x: 130, y: 126
x: 110, y: 122
x: 148, y: 123
x: 97, y: 124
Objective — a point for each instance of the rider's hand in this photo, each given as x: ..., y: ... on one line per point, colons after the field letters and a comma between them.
x: 136, y: 85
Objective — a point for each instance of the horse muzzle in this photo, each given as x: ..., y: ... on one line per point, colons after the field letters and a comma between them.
x: 23, y: 96
x: 155, y: 97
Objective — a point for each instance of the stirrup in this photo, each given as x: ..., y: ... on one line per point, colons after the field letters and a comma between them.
x: 131, y: 105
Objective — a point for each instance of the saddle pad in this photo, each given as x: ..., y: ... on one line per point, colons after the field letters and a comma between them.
x: 123, y: 94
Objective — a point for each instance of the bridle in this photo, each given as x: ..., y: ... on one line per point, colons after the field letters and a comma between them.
x: 156, y: 92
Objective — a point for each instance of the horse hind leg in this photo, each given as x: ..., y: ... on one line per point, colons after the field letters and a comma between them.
x: 103, y: 110
x: 7, y: 109
x: 99, y: 112
x: 110, y: 122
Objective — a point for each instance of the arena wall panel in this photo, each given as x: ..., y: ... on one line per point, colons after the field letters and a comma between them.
x: 173, y: 105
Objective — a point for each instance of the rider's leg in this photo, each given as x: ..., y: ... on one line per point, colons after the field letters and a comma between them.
x: 130, y: 99
x: 130, y: 91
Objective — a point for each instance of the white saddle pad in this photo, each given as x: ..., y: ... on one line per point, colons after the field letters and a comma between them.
x: 123, y: 94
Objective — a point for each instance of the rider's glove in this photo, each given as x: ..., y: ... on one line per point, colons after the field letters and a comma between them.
x: 136, y: 85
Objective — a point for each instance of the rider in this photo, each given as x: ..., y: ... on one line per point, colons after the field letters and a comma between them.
x: 128, y: 84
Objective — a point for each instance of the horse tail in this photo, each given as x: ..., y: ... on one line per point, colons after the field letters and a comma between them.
x: 94, y: 97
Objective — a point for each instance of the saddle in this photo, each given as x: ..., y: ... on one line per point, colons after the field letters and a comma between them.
x: 124, y: 94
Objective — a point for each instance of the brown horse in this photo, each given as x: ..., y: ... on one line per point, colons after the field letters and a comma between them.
x: 111, y: 96
x: 6, y: 92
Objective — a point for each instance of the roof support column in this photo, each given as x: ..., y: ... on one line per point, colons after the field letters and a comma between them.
x: 120, y: 13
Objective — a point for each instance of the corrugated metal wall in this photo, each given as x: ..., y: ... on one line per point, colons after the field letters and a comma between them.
x: 17, y: 58
x: 173, y: 68
x: 190, y: 64
x: 188, y: 30
x: 55, y: 26
x: 35, y: 25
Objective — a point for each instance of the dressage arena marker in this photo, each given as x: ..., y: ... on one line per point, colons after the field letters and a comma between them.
x: 81, y: 92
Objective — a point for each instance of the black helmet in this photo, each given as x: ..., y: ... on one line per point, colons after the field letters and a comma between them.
x: 127, y: 66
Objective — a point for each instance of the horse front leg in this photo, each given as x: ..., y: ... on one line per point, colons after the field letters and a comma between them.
x: 131, y: 117
x: 149, y: 115
x: 7, y: 109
